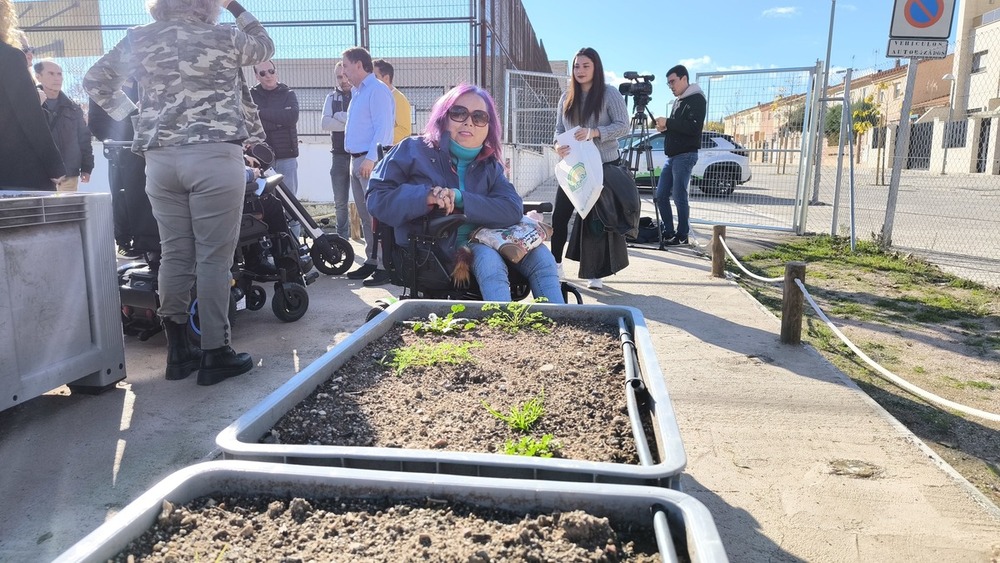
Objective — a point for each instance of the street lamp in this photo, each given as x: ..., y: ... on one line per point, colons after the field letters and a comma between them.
x: 947, y: 126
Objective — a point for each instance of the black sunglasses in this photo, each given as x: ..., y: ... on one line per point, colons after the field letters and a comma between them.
x: 459, y: 114
x: 264, y: 72
x: 27, y: 50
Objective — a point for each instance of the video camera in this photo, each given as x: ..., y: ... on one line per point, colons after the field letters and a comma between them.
x: 639, y: 88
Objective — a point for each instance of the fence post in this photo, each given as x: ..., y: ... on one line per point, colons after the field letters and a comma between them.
x: 718, y: 252
x: 791, y: 303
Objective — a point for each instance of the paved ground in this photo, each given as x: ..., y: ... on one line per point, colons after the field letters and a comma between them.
x: 765, y: 428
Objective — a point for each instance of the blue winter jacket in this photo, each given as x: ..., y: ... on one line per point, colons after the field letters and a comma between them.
x: 398, y: 188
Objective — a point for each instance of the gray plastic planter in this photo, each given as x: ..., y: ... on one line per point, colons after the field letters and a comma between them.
x: 240, y: 439
x: 626, y: 504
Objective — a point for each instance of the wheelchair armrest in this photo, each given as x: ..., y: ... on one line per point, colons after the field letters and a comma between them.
x: 437, y: 226
x: 539, y: 206
x: 273, y: 180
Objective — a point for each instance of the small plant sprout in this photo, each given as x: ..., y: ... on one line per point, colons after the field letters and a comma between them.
x: 429, y: 355
x: 530, y: 447
x: 512, y: 317
x: 522, y: 418
x: 445, y: 324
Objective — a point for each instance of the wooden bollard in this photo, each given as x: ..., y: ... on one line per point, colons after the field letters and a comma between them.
x: 792, y: 303
x: 355, y: 221
x: 718, y: 251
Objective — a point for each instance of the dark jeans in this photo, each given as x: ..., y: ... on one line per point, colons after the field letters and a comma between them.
x: 562, y: 212
x: 133, y: 215
x: 674, y: 179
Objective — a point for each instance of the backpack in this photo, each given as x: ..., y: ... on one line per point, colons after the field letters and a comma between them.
x: 648, y: 233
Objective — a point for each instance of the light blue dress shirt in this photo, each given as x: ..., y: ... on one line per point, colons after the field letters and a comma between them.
x: 370, y: 118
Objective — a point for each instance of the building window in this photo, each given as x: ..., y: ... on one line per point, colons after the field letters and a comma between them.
x: 896, y: 90
x: 978, y: 64
x: 954, y: 134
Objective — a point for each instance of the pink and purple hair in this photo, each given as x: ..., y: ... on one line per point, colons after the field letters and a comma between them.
x: 437, y: 123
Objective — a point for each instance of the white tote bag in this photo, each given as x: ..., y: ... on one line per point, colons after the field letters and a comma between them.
x: 581, y: 173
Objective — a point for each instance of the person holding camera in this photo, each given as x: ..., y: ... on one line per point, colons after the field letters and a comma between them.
x: 599, y: 110
x: 191, y: 128
x: 682, y: 139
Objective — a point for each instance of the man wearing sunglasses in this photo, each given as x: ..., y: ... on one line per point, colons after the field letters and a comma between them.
x: 278, y: 108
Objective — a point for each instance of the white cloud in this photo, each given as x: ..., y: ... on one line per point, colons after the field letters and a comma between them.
x: 782, y: 12
x: 735, y: 68
x: 848, y: 7
x: 696, y: 64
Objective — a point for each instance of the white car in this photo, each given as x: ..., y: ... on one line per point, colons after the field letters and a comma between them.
x: 722, y: 164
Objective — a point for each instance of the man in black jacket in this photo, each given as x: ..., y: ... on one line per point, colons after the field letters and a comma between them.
x: 278, y: 107
x: 682, y: 139
x: 279, y: 113
x: 68, y: 127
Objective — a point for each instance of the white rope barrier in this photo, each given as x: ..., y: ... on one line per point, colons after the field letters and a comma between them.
x: 895, y: 379
x: 746, y: 271
x: 926, y: 395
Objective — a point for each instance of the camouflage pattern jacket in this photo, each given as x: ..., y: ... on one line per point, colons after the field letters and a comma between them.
x: 191, y: 84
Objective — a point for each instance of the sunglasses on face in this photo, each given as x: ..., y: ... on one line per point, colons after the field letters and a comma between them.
x: 28, y: 50
x: 459, y: 114
x: 266, y: 72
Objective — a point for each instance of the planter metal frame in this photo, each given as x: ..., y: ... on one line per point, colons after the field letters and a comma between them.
x: 692, y: 531
x: 240, y: 439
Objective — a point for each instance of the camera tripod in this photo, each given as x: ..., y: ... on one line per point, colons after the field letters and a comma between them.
x: 641, y: 149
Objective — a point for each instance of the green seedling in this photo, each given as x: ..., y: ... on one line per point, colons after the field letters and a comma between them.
x: 521, y: 418
x: 529, y: 447
x: 446, y: 324
x: 513, y: 317
x: 429, y: 355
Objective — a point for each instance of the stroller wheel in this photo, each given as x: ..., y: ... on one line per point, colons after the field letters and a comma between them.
x: 290, y: 301
x: 331, y: 254
x: 256, y: 298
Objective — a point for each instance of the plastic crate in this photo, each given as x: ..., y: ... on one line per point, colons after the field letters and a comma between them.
x: 689, y: 524
x: 240, y: 439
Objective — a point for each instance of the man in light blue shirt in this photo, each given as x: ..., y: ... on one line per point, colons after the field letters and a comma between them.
x: 369, y: 124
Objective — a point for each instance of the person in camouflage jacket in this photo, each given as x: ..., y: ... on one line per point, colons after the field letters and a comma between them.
x: 194, y: 115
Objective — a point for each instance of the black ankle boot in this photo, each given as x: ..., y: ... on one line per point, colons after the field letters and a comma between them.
x: 182, y: 357
x: 222, y: 363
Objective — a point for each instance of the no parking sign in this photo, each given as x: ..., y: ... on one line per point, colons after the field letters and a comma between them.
x: 920, y: 28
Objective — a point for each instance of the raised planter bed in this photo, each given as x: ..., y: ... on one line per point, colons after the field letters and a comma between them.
x: 685, y: 532
x: 661, y: 457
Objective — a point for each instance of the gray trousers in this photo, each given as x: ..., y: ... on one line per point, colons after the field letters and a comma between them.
x: 340, y: 178
x: 358, y: 186
x: 196, y: 192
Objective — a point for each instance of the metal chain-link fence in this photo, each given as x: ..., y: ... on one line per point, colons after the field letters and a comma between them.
x: 945, y: 205
x: 432, y: 46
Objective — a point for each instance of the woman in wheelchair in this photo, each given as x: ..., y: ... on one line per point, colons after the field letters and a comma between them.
x: 455, y: 166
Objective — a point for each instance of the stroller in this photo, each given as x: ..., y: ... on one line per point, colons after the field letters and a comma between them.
x: 267, y: 252
x: 423, y: 267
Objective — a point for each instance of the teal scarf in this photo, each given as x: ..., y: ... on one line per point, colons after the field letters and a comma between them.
x: 462, y: 157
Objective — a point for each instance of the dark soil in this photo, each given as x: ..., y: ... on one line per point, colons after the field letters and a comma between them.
x: 259, y: 528
x: 577, y: 369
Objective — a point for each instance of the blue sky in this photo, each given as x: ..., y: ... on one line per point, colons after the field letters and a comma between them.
x: 650, y: 36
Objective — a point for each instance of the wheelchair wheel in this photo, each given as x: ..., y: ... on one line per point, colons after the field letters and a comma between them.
x: 380, y: 305
x: 570, y: 289
x: 332, y: 255
x: 256, y: 298
x: 290, y: 301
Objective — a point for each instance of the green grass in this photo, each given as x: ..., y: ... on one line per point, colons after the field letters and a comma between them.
x: 429, y: 354
x: 530, y: 447
x: 524, y: 416
x: 515, y: 317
